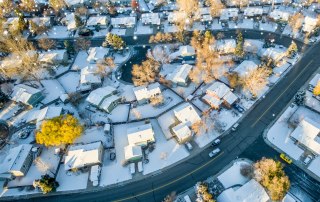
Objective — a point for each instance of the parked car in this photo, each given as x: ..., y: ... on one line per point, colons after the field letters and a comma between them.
x: 286, y: 158
x: 85, y: 32
x: 310, y: 88
x: 214, y: 152
x: 237, y: 107
x: 24, y: 133
x: 234, y: 127
x: 189, y: 146
x: 307, y: 160
x: 281, y: 29
x: 215, y: 142
x: 312, y: 40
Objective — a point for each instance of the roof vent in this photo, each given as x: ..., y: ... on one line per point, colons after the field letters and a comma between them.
x: 190, y: 108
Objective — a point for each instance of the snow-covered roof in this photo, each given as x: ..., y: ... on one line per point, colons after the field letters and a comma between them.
x: 81, y: 155
x: 273, y: 53
x: 243, y: 68
x: 64, y: 97
x: 132, y: 151
x: 252, y: 191
x: 315, y: 80
x: 69, y: 20
x: 181, y: 72
x: 106, y: 103
x: 223, y: 45
x: 152, y: 18
x: 139, y: 134
x: 204, y: 11
x: 219, y: 89
x: 97, y: 53
x: 143, y: 92
x: 15, y: 158
x: 45, y: 113
x: 94, y: 174
x: 310, y: 21
x: 307, y: 134
x: 97, y: 95
x: 22, y: 93
x: 212, y: 100
x: 73, y: 2
x: 281, y: 68
x: 41, y: 21
x: 51, y: 55
x: 206, y: 17
x: 11, y: 63
x: 230, y: 97
x: 182, y: 131
x: 279, y: 14
x: 102, y: 20
x: 88, y: 76
x: 186, y: 114
x: 10, y: 21
x: 174, y: 16
x: 123, y: 21
x: 183, y: 51
x: 253, y: 11
x: 229, y: 13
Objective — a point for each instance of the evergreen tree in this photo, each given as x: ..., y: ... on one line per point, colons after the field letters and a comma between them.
x: 316, y: 90
x: 48, y: 184
x: 109, y: 39
x: 300, y: 97
x: 21, y: 22
x: 3, y: 98
x: 208, y: 35
x: 240, y: 38
x: 292, y: 50
x: 78, y: 21
x: 117, y: 42
x: 239, y: 50
x: 69, y: 47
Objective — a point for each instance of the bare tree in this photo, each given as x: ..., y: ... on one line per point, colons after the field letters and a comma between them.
x: 215, y: 7
x: 136, y: 114
x: 156, y: 100
x: 7, y: 88
x: 163, y: 156
x: 220, y: 36
x: 57, y: 4
x: 82, y: 11
x: 46, y: 43
x: 145, y: 73
x: 206, y: 124
x: 43, y: 166
x: 82, y: 44
x: 74, y: 98
x: 247, y: 170
x: 170, y: 198
x: 181, y: 92
x: 6, y: 7
x: 38, y: 29
x: 105, y: 67
x: 159, y: 55
x: 88, y: 117
x: 295, y: 22
x: 28, y: 6
x: 254, y: 50
x: 188, y: 8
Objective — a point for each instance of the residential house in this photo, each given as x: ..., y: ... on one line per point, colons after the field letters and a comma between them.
x: 308, y: 24
x: 186, y: 115
x: 124, y: 22
x: 150, y: 19
x: 252, y: 191
x: 273, y: 54
x: 69, y: 22
x: 104, y: 98
x: 307, y: 135
x: 244, y: 67
x: 219, y: 93
x: 180, y: 75
x: 42, y: 22
x: 204, y: 15
x: 26, y: 95
x: 53, y: 57
x: 96, y: 54
x: 229, y: 14
x: 279, y: 15
x: 100, y: 21
x: 37, y: 117
x: 138, y: 138
x: 314, y: 80
x: 173, y: 17
x: 84, y: 155
x: 145, y: 93
x: 10, y: 22
x: 281, y: 67
x: 251, y: 12
x: 17, y: 162
x: 89, y: 79
x: 224, y: 46
x: 7, y: 64
x: 184, y: 53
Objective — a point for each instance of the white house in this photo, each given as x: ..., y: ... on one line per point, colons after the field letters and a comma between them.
x: 101, y: 21
x: 97, y: 53
x: 175, y: 16
x: 26, y: 95
x: 42, y: 21
x: 279, y: 15
x: 84, y: 155
x: 123, y: 22
x: 69, y: 21
x: 252, y: 191
x: 150, y: 19
x: 145, y: 93
x: 275, y: 54
x: 17, y: 162
x: 253, y: 11
x: 43, y: 114
x: 89, y: 79
x: 308, y: 24
x: 229, y: 14
x: 97, y: 96
x: 184, y: 53
x: 180, y: 75
x: 224, y: 46
x: 244, y: 67
x: 53, y: 57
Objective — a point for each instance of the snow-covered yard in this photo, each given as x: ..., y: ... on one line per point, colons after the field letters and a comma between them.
x: 268, y: 26
x: 53, y: 90
x: 246, y: 24
x: 140, y: 29
x: 186, y: 91
x: 93, y: 134
x: 71, y: 182
x: 81, y: 61
x: 119, y: 32
x: 56, y: 32
x: 70, y: 81
x: 232, y: 176
x: 315, y: 165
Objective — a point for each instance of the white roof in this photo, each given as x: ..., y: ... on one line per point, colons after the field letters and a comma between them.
x: 244, y: 67
x: 106, y: 127
x: 96, y: 53
x: 281, y: 68
x: 22, y: 93
x: 307, y: 134
x: 187, y: 114
x: 7, y: 63
x: 223, y: 45
x: 88, y: 76
x: 206, y: 17
x: 219, y: 89
x: 174, y: 16
x: 154, y: 18
x: 96, y: 96
x: 45, y: 113
x: 41, y: 21
x: 15, y: 158
x: 94, y: 174
x: 69, y: 20
x: 132, y: 151
x: 272, y: 53
x: 143, y: 92
x: 64, y: 96
x: 123, y: 21
x: 81, y: 155
x: 252, y: 191
x: 315, y: 80
x: 181, y: 72
x: 230, y: 97
x: 183, y: 51
x: 204, y: 11
x: 310, y: 21
x: 141, y: 133
x: 182, y: 131
x: 229, y: 13
x: 102, y: 20
x: 51, y: 55
x: 213, y: 100
x: 279, y: 14
x: 106, y: 103
x: 73, y: 2
x: 252, y: 11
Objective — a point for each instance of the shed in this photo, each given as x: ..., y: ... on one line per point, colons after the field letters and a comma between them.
x: 106, y: 128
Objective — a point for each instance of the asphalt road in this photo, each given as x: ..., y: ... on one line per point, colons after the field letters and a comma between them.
x: 233, y: 145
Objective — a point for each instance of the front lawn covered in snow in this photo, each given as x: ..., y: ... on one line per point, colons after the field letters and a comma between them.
x: 232, y: 176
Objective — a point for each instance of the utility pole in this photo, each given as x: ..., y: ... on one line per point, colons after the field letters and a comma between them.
x: 272, y: 5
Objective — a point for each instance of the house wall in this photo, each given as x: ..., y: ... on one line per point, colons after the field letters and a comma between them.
x: 211, y: 105
x: 135, y: 158
x: 143, y: 101
x: 35, y: 99
x: 111, y: 107
x: 25, y: 166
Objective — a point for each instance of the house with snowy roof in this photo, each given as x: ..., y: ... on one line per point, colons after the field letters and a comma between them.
x: 279, y: 15
x: 245, y: 67
x: 219, y: 93
x: 96, y: 54
x: 145, y: 93
x: 184, y: 53
x: 26, y: 95
x: 224, y: 46
x: 274, y: 54
x: 6, y: 64
x: 138, y: 138
x: 314, y: 80
x: 204, y: 15
x: 123, y: 22
x: 43, y: 114
x: 175, y: 16
x: 150, y: 19
x: 186, y: 115
x: 17, y: 162
x: 252, y: 191
x: 53, y: 57
x: 180, y: 75
x: 101, y: 21
x: 308, y: 24
x: 41, y: 22
x: 104, y: 98
x: 229, y: 14
x: 307, y: 135
x: 89, y: 79
x: 84, y: 155
x: 251, y: 12
x: 10, y: 22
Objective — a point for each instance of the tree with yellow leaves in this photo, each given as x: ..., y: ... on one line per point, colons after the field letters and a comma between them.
x: 62, y: 129
x: 316, y: 90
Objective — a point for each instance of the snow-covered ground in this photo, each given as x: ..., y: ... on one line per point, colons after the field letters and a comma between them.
x: 246, y: 24
x: 81, y: 61
x: 71, y: 182
x: 186, y: 91
x: 315, y: 165
x: 56, y: 32
x: 232, y: 176
x: 93, y: 134
x: 201, y: 105
x: 140, y: 29
x: 119, y: 32
x: 268, y: 26
x: 70, y: 81
x: 312, y: 102
x: 53, y: 90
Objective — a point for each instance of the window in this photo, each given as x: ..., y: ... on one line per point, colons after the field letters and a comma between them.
x: 114, y: 104
x: 24, y: 166
x: 35, y: 96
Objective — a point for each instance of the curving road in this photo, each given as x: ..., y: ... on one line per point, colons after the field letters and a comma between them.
x: 245, y: 142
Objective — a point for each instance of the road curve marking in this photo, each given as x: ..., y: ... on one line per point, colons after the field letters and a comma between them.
x: 170, y: 182
x: 281, y: 94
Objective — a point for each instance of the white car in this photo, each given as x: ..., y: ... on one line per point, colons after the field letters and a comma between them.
x: 312, y: 40
x: 307, y: 160
x: 214, y: 152
x: 189, y: 146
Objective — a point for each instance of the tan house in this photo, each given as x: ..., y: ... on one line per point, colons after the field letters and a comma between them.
x: 53, y: 57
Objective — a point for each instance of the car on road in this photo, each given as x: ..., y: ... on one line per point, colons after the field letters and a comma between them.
x: 215, y: 142
x: 286, y: 158
x: 214, y: 152
x: 188, y: 145
x: 24, y: 133
x: 85, y: 32
x: 312, y: 40
x: 307, y: 160
x: 237, y: 107
x: 234, y: 127
x: 281, y: 29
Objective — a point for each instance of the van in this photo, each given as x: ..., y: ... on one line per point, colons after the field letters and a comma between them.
x: 307, y: 160
x: 234, y: 127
